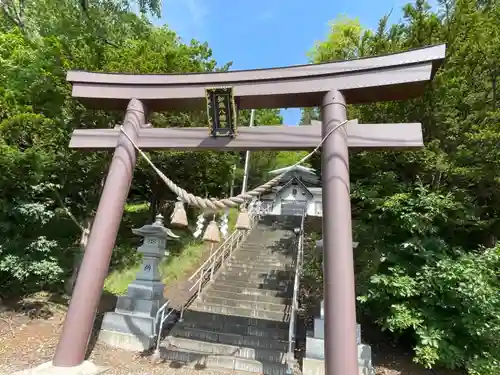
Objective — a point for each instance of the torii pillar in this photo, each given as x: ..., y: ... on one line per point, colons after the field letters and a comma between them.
x: 340, y: 306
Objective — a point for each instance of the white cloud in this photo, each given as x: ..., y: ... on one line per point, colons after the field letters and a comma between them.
x: 186, y: 17
x: 197, y: 9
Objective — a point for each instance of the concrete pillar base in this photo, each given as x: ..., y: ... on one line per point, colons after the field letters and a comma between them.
x: 85, y: 368
x: 312, y: 366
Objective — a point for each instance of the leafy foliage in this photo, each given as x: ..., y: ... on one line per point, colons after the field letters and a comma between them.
x: 427, y: 221
x: 41, y: 180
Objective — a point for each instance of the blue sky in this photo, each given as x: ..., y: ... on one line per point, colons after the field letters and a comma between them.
x: 267, y: 33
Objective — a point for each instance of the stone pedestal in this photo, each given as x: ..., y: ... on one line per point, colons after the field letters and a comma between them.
x: 319, y: 327
x: 314, y: 361
x: 133, y: 325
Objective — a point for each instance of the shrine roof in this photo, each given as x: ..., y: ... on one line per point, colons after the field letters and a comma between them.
x: 282, y: 188
x: 298, y: 168
x: 395, y: 76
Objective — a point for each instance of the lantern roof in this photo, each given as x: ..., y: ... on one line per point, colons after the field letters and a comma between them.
x: 157, y: 229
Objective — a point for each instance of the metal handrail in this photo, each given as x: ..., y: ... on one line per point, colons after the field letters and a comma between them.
x: 214, y: 254
x: 206, y: 271
x: 164, y: 317
x: 208, y: 267
x: 296, y: 281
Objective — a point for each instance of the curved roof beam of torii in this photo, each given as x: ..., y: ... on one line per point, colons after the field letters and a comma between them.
x: 396, y: 76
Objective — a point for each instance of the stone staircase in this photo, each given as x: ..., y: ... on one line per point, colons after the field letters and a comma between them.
x: 241, y: 319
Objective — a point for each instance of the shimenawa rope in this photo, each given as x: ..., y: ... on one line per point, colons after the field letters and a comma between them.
x: 219, y: 204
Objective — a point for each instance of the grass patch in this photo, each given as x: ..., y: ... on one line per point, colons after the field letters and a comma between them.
x: 233, y: 216
x: 172, y: 268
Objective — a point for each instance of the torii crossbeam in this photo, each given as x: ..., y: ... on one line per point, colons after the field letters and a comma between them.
x: 359, y: 136
x: 330, y: 86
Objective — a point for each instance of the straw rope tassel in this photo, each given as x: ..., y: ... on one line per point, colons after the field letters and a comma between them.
x: 179, y: 216
x: 243, y: 220
x: 212, y: 233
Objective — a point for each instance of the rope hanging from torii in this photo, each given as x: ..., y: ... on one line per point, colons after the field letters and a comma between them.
x: 206, y: 203
x: 213, y: 204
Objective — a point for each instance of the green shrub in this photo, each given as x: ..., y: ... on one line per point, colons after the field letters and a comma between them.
x: 414, y: 281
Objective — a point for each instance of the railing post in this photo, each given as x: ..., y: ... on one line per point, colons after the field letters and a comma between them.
x: 231, y: 244
x: 181, y: 318
x: 202, y: 275
x: 212, y: 267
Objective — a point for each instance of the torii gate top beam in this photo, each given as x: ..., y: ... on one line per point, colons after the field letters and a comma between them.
x: 396, y: 76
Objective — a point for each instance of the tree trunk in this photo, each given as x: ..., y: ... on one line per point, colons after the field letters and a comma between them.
x: 77, y: 261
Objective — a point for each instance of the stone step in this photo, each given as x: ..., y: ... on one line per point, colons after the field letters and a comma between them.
x: 264, y: 231
x: 219, y: 286
x: 244, y: 249
x: 256, y: 274
x: 276, y: 245
x: 267, y: 264
x: 241, y: 303
x: 242, y: 267
x: 263, y: 243
x: 240, y: 311
x: 266, y: 237
x: 262, y: 254
x: 202, y: 360
x: 292, y: 221
x: 229, y: 338
x: 211, y: 292
x: 270, y: 231
x: 220, y: 324
x: 254, y: 248
x: 220, y: 320
x: 214, y: 348
x: 263, y: 260
x: 260, y: 242
x: 283, y: 288
x: 249, y: 265
x: 271, y: 243
x: 255, y: 279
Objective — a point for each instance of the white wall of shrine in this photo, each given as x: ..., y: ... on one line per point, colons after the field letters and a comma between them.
x: 292, y: 196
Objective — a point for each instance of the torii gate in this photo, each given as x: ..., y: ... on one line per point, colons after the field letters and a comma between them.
x: 331, y: 85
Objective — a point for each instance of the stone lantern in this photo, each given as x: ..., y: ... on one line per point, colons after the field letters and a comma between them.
x: 314, y: 361
x: 132, y: 325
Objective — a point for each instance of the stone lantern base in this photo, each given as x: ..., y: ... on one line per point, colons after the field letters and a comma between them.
x: 132, y: 326
x: 128, y: 332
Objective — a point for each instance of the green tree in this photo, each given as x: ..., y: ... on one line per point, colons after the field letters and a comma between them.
x: 427, y: 221
x: 41, y: 179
